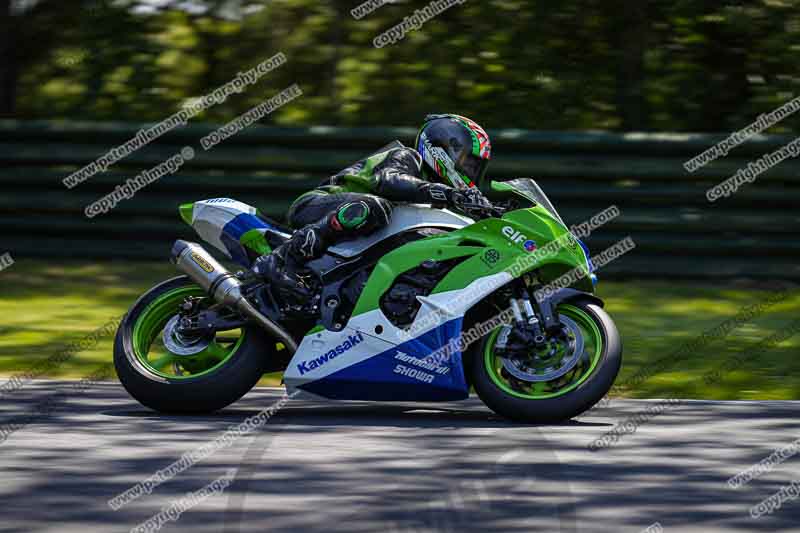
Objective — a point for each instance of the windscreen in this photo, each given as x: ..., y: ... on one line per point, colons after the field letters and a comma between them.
x: 530, y: 190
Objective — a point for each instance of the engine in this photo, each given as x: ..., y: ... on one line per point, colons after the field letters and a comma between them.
x: 400, y: 304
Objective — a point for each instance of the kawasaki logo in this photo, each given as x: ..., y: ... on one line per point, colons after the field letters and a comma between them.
x: 308, y: 366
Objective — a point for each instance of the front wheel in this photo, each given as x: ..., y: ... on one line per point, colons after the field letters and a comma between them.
x: 558, y: 381
x: 228, y: 366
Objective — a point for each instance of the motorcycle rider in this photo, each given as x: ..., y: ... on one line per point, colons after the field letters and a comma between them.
x: 446, y: 170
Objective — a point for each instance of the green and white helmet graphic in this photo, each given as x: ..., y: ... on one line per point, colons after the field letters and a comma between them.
x: 455, y: 149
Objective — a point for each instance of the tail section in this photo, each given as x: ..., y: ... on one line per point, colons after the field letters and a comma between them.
x: 234, y: 228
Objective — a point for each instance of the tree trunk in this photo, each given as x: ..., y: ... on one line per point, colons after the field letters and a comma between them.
x: 631, y: 38
x: 9, y: 62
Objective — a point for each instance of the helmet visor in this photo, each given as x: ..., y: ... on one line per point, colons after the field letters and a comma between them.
x: 474, y: 168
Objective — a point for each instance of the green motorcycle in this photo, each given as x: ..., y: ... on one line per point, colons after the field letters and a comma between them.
x: 422, y: 310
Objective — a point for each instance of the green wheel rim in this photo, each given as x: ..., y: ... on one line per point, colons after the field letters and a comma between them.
x: 592, y: 351
x: 153, y: 355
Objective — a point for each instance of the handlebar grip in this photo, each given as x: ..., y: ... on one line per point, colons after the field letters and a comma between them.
x: 484, y: 211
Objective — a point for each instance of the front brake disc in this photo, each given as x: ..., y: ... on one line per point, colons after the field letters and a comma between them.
x: 524, y: 372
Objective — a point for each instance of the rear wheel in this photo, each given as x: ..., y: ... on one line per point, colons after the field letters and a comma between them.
x: 558, y: 381
x: 219, y: 369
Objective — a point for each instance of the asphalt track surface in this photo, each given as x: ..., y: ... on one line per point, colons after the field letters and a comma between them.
x: 384, y: 467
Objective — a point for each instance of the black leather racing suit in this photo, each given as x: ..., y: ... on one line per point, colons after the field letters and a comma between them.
x: 354, y: 202
x: 357, y: 200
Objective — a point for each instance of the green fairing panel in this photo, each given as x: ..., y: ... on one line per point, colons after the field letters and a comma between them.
x: 403, y: 259
x: 476, y: 242
x: 186, y: 211
x: 254, y: 240
x: 539, y: 225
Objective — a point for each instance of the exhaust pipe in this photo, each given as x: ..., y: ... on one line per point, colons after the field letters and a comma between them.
x: 223, y: 286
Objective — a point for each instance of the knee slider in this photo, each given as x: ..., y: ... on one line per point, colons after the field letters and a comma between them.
x: 363, y: 215
x: 353, y: 215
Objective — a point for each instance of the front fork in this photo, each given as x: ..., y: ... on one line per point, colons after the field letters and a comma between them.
x: 525, y: 316
x: 541, y: 316
x: 544, y: 311
x: 532, y: 324
x: 540, y: 321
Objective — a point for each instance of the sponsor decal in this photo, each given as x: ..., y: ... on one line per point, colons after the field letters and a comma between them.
x: 413, y: 373
x: 437, y: 158
x: 220, y: 201
x: 316, y: 362
x: 573, y: 242
x: 513, y: 235
x: 422, y: 363
x: 202, y: 263
x: 529, y: 245
x: 490, y: 257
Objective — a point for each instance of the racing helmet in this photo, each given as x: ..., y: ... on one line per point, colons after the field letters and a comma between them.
x: 455, y: 150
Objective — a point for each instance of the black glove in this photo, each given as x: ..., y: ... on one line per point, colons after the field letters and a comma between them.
x: 471, y: 198
x: 440, y: 195
x: 469, y: 201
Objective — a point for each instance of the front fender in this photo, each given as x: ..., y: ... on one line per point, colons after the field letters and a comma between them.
x: 567, y: 294
x: 549, y: 304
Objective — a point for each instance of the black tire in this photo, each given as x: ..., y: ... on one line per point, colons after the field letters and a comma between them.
x: 564, y: 407
x: 203, y: 394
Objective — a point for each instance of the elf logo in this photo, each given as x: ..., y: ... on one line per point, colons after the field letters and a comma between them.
x: 513, y: 235
x: 516, y: 237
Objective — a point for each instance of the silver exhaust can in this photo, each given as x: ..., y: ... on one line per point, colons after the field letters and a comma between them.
x: 223, y: 286
x: 198, y: 264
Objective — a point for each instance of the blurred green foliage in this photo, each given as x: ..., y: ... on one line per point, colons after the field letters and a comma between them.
x: 675, y: 65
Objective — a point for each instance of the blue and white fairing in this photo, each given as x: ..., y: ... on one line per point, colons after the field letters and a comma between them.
x: 221, y: 222
x: 371, y: 359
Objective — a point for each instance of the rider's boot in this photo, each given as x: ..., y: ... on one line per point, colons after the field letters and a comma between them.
x: 284, y: 267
